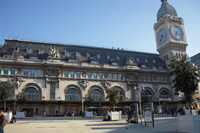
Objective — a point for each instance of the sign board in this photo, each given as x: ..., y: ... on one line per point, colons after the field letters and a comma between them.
x: 149, y: 113
x: 159, y: 109
x: 148, y: 116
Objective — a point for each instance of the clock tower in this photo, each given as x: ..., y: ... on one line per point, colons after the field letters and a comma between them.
x: 170, y: 33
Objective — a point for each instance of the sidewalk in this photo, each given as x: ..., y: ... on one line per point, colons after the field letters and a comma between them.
x: 90, y: 125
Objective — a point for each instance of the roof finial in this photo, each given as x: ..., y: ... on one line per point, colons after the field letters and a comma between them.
x: 164, y: 1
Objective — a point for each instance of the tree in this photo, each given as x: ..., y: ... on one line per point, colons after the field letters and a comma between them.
x: 185, y: 77
x: 6, y: 91
x: 21, y: 97
x: 113, y: 95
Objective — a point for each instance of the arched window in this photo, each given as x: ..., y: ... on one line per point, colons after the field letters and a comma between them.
x: 72, y: 94
x: 95, y: 94
x: 32, y: 93
x: 164, y: 94
x: 147, y: 95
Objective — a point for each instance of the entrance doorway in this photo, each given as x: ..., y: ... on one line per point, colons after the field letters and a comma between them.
x: 51, y: 112
x: 29, y: 112
x: 70, y: 111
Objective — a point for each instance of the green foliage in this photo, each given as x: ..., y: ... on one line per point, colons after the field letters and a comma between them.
x: 113, y: 95
x: 185, y: 76
x: 21, y: 97
x: 6, y: 90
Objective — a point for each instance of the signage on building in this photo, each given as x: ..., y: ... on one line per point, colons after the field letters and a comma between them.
x: 71, y: 106
x: 165, y: 99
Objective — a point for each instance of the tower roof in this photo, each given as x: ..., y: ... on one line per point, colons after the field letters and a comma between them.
x: 166, y: 8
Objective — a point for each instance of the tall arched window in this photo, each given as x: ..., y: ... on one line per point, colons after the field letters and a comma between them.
x: 164, y: 94
x: 95, y: 94
x: 147, y: 95
x: 72, y: 94
x: 32, y: 93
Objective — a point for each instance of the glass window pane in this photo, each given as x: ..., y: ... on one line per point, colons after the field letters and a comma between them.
x: 94, y: 62
x: 32, y: 94
x: 7, y: 55
x: 89, y: 75
x: 95, y: 94
x: 12, y: 70
x: 66, y: 73
x: 132, y: 93
x: 39, y: 73
x: 78, y: 74
x: 72, y: 60
x: 114, y: 63
x: 100, y: 75
x: 52, y: 91
x: 110, y: 76
x: 26, y: 71
x: 116, y: 76
x: 6, y: 71
x: 150, y: 78
x: 72, y: 95
x: 95, y: 75
x: 32, y: 72
x: 120, y: 77
x: 72, y: 74
x: 33, y: 57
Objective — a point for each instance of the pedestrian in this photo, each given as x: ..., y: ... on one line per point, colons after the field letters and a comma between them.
x: 197, y: 110
x: 14, y: 119
x: 2, y: 122
x: 129, y: 116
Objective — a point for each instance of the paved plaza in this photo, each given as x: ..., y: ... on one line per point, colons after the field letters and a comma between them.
x: 88, y: 125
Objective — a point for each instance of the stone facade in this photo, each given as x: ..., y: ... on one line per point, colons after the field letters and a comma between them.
x: 125, y: 70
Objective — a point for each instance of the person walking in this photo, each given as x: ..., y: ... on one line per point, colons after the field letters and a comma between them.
x: 2, y: 122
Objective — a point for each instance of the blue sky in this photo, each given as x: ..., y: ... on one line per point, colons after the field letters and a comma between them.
x: 126, y: 24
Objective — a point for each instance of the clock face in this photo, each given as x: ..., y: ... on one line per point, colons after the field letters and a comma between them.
x: 177, y: 32
x: 161, y: 35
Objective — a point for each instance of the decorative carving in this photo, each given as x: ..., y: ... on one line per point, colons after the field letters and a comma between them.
x: 83, y: 74
x: 83, y: 83
x: 54, y: 81
x: 106, y: 84
x: 52, y: 72
x: 55, y: 53
x: 17, y: 81
x: 155, y: 86
x: 130, y: 61
x: 131, y: 84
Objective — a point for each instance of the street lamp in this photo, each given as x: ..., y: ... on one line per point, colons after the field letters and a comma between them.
x: 82, y: 100
x: 139, y: 89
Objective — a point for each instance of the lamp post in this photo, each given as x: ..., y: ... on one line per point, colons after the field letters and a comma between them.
x: 82, y: 105
x: 139, y: 91
x: 15, y: 105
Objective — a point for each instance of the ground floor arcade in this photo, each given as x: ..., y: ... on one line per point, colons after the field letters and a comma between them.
x: 63, y: 108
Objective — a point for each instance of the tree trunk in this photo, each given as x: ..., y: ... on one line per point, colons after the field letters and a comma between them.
x: 190, y: 106
x: 4, y: 106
